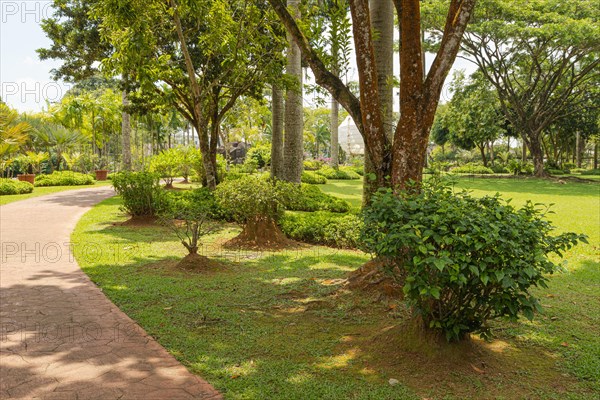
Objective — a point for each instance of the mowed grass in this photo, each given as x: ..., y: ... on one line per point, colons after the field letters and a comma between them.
x: 44, y: 190
x: 278, y: 326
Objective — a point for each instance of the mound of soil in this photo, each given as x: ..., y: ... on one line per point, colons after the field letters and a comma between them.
x: 260, y: 233
x: 196, y: 262
x: 373, y: 278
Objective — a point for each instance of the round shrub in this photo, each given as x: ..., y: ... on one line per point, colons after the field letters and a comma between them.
x: 64, y: 178
x: 141, y: 193
x: 167, y: 164
x: 328, y: 229
x: 10, y: 186
x: 251, y: 196
x: 312, y: 178
x: 466, y: 260
x: 261, y: 155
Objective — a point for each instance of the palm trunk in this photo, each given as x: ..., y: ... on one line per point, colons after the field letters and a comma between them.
x: 293, y: 147
x: 277, y: 133
x: 126, y: 134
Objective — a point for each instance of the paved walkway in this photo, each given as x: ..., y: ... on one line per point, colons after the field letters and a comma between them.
x: 60, y: 337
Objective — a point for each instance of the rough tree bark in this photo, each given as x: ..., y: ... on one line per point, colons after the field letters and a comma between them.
x: 293, y: 147
x: 126, y: 133
x: 277, y: 132
x: 382, y: 22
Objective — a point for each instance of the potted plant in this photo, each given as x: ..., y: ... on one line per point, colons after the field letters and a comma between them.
x: 32, y: 161
x: 101, y: 171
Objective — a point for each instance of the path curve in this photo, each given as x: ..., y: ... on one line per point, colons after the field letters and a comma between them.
x: 60, y: 337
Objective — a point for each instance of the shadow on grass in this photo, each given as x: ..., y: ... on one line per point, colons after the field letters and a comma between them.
x: 252, y: 332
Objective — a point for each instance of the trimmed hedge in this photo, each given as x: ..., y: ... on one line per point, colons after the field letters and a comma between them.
x: 341, y: 173
x: 11, y: 186
x: 311, y: 198
x: 321, y: 227
x: 591, y: 172
x: 64, y: 178
x: 312, y: 178
x: 472, y: 169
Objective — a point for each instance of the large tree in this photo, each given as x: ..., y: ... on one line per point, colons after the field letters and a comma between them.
x: 539, y: 55
x: 209, y: 53
x: 399, y: 162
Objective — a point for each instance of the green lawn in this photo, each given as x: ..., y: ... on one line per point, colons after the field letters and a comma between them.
x: 41, y: 191
x: 277, y: 326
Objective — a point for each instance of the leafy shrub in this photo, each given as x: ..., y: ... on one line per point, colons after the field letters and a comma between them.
x: 64, y: 178
x: 499, y: 169
x: 261, y: 154
x: 517, y: 167
x: 11, y: 186
x: 252, y: 196
x: 313, y: 165
x: 141, y: 193
x: 577, y: 170
x: 471, y: 168
x: 312, y: 178
x: 311, y: 198
x: 591, y: 172
x: 331, y: 173
x: 191, y: 215
x: 358, y: 170
x: 329, y: 229
x: 167, y: 164
x: 467, y: 260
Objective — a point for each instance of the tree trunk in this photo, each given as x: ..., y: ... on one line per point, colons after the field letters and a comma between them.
x: 293, y: 147
x: 537, y: 155
x: 579, y: 149
x: 596, y: 145
x: 382, y: 22
x: 277, y: 133
x: 524, y: 152
x: 481, y: 148
x: 335, y: 134
x: 126, y: 133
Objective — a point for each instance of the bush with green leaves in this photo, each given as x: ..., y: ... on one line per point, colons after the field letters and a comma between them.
x: 141, y: 193
x: 261, y: 154
x: 325, y: 228
x: 311, y: 198
x: 312, y: 178
x: 331, y: 173
x: 518, y: 167
x: 591, y: 172
x: 465, y: 260
x: 64, y: 178
x: 191, y: 214
x: 359, y: 170
x: 11, y: 186
x: 472, y: 168
x: 254, y: 196
x: 167, y: 164
x: 313, y: 165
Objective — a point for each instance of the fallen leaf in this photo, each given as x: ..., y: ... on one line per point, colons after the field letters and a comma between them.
x: 564, y: 344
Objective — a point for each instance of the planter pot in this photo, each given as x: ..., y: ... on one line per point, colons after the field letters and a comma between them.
x: 26, y: 178
x: 101, y: 174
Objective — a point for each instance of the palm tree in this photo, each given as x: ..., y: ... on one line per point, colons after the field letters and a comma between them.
x: 13, y: 133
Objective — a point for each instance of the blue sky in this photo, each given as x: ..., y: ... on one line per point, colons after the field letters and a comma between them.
x: 25, y: 82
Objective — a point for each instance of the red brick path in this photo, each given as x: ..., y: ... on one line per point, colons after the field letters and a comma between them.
x: 60, y: 337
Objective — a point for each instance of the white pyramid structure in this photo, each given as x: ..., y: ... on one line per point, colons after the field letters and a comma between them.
x: 350, y: 138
